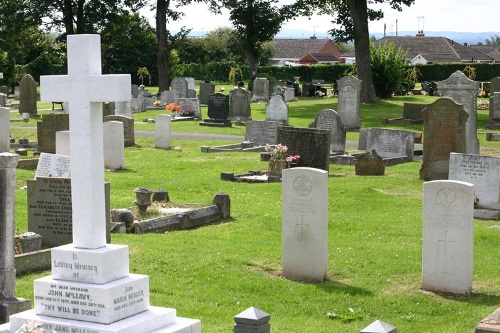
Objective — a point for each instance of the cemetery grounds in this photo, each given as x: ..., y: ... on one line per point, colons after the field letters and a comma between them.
x: 215, y: 272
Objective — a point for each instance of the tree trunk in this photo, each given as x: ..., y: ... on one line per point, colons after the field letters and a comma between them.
x: 68, y: 17
x: 250, y: 45
x: 359, y: 16
x: 252, y: 67
x: 80, y: 20
x: 161, y: 36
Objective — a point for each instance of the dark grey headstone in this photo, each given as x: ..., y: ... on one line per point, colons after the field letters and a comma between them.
x: 223, y: 201
x: 47, y: 128
x: 180, y: 85
x: 206, y: 89
x: 252, y: 320
x: 239, y: 104
x: 413, y: 111
x: 495, y: 85
x: 390, y: 143
x: 262, y: 132
x: 218, y: 106
x: 330, y: 120
x: 27, y: 95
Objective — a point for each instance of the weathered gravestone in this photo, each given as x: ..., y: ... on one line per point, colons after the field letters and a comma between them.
x: 47, y: 128
x: 313, y: 145
x: 162, y: 131
x: 260, y: 89
x: 53, y: 165
x: 122, y: 108
x: 128, y: 128
x: 464, y: 91
x: 305, y: 224
x: 62, y: 143
x: 114, y: 149
x: 481, y: 171
x: 180, y: 85
x: 27, y: 95
x: 447, y: 242
x: 494, y: 111
x: 169, y: 96
x: 262, y: 132
x: 3, y: 100
x: 218, y: 106
x: 330, y: 120
x: 106, y: 297
x: 289, y: 95
x: 192, y: 104
x: 138, y: 104
x: 369, y: 165
x: 134, y: 90
x: 239, y: 104
x: 495, y: 85
x: 206, y: 89
x: 9, y: 304
x: 191, y: 92
x: 390, y: 143
x: 444, y: 133
x: 349, y: 90
x: 277, y: 110
x: 413, y: 111
x: 4, y: 130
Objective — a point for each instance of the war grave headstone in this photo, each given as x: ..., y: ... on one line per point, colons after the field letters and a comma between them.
x: 3, y: 100
x: 109, y: 298
x: 349, y: 92
x: 128, y: 128
x: 47, y: 128
x: 277, y: 110
x: 9, y: 303
x: 289, y: 95
x: 444, y: 133
x: 484, y: 172
x: 4, y: 130
x: 114, y: 149
x: 191, y: 92
x: 494, y: 111
x: 162, y: 131
x: 206, y: 89
x: 27, y: 95
x: 260, y: 90
x: 123, y: 108
x: 447, y: 242
x: 239, y: 104
x: 305, y: 224
x: 330, y: 120
x: 168, y: 96
x: 313, y: 145
x: 261, y: 132
x: 464, y: 91
x: 192, y: 104
x: 394, y: 145
x: 62, y: 143
x: 180, y: 85
x: 218, y: 111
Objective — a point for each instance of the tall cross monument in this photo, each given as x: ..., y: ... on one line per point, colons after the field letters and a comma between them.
x: 85, y: 88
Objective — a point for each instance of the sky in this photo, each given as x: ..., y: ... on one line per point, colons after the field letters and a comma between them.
x: 427, y: 15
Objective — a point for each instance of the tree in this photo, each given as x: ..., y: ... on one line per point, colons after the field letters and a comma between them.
x: 494, y: 40
x: 388, y: 69
x: 352, y: 17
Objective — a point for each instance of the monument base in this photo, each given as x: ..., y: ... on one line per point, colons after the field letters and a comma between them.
x: 490, y: 324
x: 216, y: 123
x: 12, y: 306
x: 486, y: 214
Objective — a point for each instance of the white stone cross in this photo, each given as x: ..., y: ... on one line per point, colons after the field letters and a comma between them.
x: 84, y: 88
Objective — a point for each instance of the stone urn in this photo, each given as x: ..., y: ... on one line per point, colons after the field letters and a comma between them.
x: 143, y: 198
x: 275, y: 167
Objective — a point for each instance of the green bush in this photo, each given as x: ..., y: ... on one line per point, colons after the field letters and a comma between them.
x: 388, y: 69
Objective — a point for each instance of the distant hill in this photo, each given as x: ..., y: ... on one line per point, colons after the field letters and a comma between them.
x: 471, y: 38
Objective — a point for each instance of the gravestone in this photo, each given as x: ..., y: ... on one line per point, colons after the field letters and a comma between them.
x: 481, y: 171
x: 27, y: 95
x: 206, y: 89
x: 3, y: 100
x: 349, y: 92
x: 192, y: 104
x: 277, y: 110
x: 305, y: 224
x: 191, y: 92
x: 239, y: 104
x: 162, y: 131
x: 494, y: 111
x: 413, y: 111
x: 261, y: 132
x: 9, y: 304
x: 463, y: 91
x: 106, y: 297
x: 169, y: 96
x: 123, y: 108
x: 4, y: 130
x: 4, y: 90
x: 252, y: 320
x: 16, y: 92
x: 369, y: 165
x: 47, y: 128
x: 50, y: 209
x: 495, y: 85
x: 444, y: 133
x: 128, y: 128
x: 180, y: 85
x: 447, y: 242
x: 260, y: 90
x: 330, y: 120
x: 134, y: 90
x: 390, y: 143
x: 313, y: 145
x: 62, y: 143
x: 289, y: 95
x: 138, y: 104
x: 114, y: 149
x: 218, y: 106
x: 53, y: 165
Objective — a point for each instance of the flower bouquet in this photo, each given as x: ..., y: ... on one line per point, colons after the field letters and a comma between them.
x: 173, y: 108
x: 186, y: 112
x: 277, y: 161
x: 292, y: 161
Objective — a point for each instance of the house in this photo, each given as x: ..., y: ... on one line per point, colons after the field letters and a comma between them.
x: 492, y: 51
x: 290, y: 52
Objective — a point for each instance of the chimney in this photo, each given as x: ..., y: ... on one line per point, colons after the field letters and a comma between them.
x: 420, y: 33
x: 313, y: 37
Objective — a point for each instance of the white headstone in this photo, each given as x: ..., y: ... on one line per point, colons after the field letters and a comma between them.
x: 483, y: 172
x: 53, y: 165
x: 62, y: 143
x: 4, y: 130
x: 448, y: 235
x: 305, y: 224
x: 162, y: 132
x: 277, y: 110
x: 114, y: 146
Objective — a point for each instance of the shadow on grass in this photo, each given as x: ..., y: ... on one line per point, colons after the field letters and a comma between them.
x: 474, y: 298
x: 336, y: 287
x: 123, y: 171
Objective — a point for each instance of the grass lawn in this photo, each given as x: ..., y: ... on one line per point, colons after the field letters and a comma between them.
x: 215, y: 272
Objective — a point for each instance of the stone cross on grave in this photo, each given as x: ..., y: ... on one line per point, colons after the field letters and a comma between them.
x: 84, y: 88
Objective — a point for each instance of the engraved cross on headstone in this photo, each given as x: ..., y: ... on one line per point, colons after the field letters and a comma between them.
x: 302, y: 225
x: 445, y: 241
x: 84, y: 88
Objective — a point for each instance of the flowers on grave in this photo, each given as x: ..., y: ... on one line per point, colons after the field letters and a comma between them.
x: 292, y: 160
x: 278, y: 152
x: 172, y: 107
x: 483, y: 105
x: 157, y: 103
x: 186, y: 112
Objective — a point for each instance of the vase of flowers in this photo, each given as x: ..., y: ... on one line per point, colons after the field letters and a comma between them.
x: 292, y: 161
x: 277, y: 161
x: 186, y: 112
x: 173, y: 108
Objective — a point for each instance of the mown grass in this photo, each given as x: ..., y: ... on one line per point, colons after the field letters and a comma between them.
x: 375, y: 228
